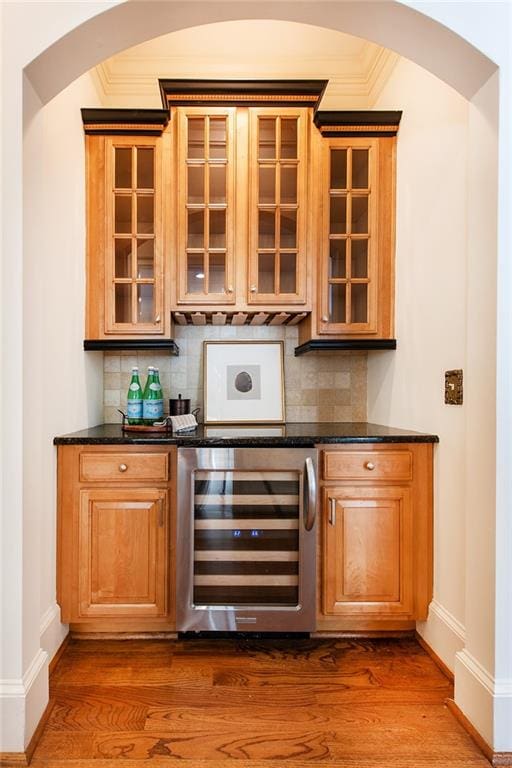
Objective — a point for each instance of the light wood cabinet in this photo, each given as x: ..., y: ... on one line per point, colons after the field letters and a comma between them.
x: 376, y: 536
x: 127, y: 209
x: 249, y: 207
x: 355, y: 277
x: 116, y: 538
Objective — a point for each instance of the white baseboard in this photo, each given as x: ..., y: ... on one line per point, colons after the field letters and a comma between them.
x: 485, y: 701
x: 22, y: 704
x: 51, y: 631
x: 443, y: 632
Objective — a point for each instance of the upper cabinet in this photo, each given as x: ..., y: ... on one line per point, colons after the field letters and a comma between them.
x: 126, y: 291
x: 355, y: 275
x: 239, y: 203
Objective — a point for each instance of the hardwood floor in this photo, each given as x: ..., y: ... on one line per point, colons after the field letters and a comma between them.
x: 251, y: 703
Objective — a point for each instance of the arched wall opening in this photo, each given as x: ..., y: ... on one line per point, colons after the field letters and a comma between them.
x: 419, y: 38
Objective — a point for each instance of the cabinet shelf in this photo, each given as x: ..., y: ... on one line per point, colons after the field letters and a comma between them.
x: 91, y: 345
x: 347, y: 344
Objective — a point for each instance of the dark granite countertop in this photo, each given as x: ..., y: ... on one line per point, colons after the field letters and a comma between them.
x: 292, y: 435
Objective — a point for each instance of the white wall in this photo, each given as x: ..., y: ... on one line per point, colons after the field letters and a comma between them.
x: 63, y: 386
x: 446, y: 318
x: 406, y: 387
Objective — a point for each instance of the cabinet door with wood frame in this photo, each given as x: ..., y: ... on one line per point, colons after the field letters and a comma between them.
x: 368, y: 552
x: 278, y: 164
x: 122, y: 553
x: 206, y: 191
x: 126, y: 296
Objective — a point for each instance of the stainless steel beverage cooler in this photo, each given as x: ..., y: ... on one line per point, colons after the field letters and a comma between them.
x: 246, y: 539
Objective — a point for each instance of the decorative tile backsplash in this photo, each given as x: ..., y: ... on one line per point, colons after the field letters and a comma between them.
x: 319, y: 386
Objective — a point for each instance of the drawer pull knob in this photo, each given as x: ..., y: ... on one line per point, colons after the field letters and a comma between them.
x: 123, y: 467
x: 370, y: 465
x: 325, y: 319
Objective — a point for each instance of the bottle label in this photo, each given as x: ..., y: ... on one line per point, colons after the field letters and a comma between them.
x: 153, y: 409
x: 135, y: 387
x: 134, y: 409
x: 154, y: 386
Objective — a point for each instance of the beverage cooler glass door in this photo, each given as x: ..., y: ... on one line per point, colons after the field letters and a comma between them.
x: 246, y: 544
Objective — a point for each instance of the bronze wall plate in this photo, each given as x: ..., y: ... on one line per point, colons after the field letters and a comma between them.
x: 453, y: 393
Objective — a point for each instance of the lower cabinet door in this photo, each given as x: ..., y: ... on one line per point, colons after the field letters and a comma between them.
x: 368, y: 552
x: 122, y: 553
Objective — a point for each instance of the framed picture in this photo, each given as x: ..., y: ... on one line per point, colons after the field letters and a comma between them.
x: 243, y: 382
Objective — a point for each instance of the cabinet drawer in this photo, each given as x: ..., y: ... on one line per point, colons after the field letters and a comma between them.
x: 123, y: 466
x: 367, y: 465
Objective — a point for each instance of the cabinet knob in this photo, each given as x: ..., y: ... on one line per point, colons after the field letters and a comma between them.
x: 370, y: 465
x: 123, y: 467
x: 253, y: 289
x: 157, y: 319
x: 230, y: 289
x: 325, y: 319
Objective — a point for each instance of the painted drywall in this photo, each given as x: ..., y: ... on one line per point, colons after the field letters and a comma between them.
x: 406, y: 387
x: 28, y: 29
x: 64, y: 388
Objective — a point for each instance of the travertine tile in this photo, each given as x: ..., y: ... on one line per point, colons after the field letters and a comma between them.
x: 111, y: 416
x: 309, y: 397
x: 307, y: 413
x: 343, y: 397
x: 342, y: 380
x: 112, y: 381
x: 111, y: 397
x: 128, y: 362
x: 326, y: 379
x: 111, y: 363
x: 293, y: 396
x: 343, y: 413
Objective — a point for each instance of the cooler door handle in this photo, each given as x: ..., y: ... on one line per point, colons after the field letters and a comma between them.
x: 309, y: 494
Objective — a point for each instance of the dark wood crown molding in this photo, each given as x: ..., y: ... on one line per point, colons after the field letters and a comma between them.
x: 186, y: 92
x: 358, y: 122
x: 146, y: 122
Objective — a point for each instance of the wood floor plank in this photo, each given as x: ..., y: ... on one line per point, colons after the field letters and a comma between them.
x: 419, y: 717
x: 251, y: 703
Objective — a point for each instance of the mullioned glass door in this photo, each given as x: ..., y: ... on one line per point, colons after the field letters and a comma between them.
x: 277, y: 162
x: 133, y: 253
x: 349, y: 272
x: 205, y: 220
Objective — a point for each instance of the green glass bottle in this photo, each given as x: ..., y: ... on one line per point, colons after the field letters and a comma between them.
x: 134, y: 399
x: 152, y: 400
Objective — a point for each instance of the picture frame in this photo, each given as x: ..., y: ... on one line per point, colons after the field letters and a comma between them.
x: 243, y: 382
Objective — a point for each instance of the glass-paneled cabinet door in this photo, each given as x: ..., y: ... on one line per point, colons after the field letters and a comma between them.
x: 206, y: 205
x: 277, y: 171
x: 133, y: 252
x: 349, y: 280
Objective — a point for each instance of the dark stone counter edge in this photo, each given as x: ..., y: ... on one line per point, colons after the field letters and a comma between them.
x: 244, y: 442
